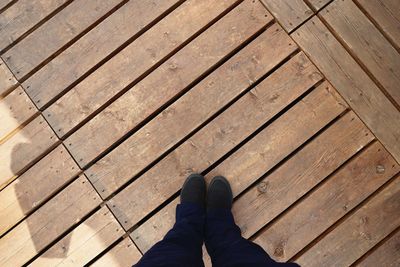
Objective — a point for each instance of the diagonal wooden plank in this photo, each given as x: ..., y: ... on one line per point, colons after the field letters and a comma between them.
x: 206, y: 146
x: 133, y: 63
x: 54, y: 34
x: 270, y: 146
x: 14, y: 21
x: 322, y: 208
x: 317, y: 4
x: 51, y: 220
x: 360, y: 232
x: 58, y: 74
x: 7, y: 79
x: 83, y: 243
x: 193, y: 108
x: 123, y: 254
x: 366, y: 43
x: 35, y: 185
x: 360, y: 92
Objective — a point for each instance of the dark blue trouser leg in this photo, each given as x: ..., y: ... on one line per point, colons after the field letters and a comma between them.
x: 227, y: 247
x: 181, y: 246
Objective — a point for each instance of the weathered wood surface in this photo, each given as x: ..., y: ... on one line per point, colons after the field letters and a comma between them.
x: 23, y: 148
x: 318, y: 4
x: 54, y: 34
x: 35, y: 185
x: 136, y: 59
x: 15, y: 109
x: 4, y: 3
x: 191, y: 110
x: 22, y: 16
x: 7, y: 79
x: 209, y: 144
x: 83, y: 243
x: 387, y: 254
x: 289, y: 13
x: 58, y: 74
x: 124, y: 254
x: 322, y: 208
x: 360, y: 92
x: 358, y: 233
x: 51, y: 220
x: 242, y: 168
x: 366, y: 43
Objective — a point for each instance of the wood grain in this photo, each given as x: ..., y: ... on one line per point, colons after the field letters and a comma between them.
x: 322, y: 208
x: 35, y: 185
x: 16, y: 109
x: 354, y: 85
x: 7, y: 79
x: 366, y: 43
x: 360, y: 232
x: 23, y: 148
x: 41, y: 228
x: 289, y: 13
x: 124, y: 254
x: 51, y: 80
x: 54, y: 34
x: 206, y: 146
x: 132, y: 63
x: 83, y: 243
x: 243, y: 167
x: 318, y: 4
x: 14, y: 21
x: 188, y: 112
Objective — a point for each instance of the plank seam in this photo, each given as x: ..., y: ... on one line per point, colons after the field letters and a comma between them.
x: 7, y: 6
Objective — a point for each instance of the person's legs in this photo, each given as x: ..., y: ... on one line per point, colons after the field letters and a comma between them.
x: 223, y: 239
x: 182, y: 244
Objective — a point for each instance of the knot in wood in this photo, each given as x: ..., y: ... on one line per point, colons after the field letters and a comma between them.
x: 262, y: 187
x: 380, y: 169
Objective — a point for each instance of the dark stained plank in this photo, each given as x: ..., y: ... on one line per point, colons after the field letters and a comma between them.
x: 124, y: 254
x: 206, y: 146
x: 318, y: 4
x: 183, y: 116
x: 386, y: 13
x: 387, y: 254
x: 135, y: 60
x: 51, y: 80
x: 366, y: 43
x: 322, y: 208
x: 83, y: 243
x: 35, y: 185
x: 270, y: 146
x: 24, y: 147
x: 52, y: 219
x: 358, y: 233
x: 14, y: 21
x: 16, y: 109
x: 54, y: 34
x: 354, y: 85
x: 289, y: 13
x: 7, y: 79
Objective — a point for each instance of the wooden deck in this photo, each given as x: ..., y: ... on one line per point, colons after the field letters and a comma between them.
x: 106, y: 107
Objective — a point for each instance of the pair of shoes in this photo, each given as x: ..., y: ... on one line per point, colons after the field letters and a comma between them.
x: 219, y: 194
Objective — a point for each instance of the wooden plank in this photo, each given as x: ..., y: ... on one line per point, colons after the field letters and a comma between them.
x: 124, y: 254
x: 34, y: 186
x: 65, y: 69
x: 219, y: 40
x: 360, y: 92
x: 20, y: 150
x: 51, y: 220
x: 83, y: 243
x: 386, y: 13
x: 4, y: 3
x: 243, y: 167
x: 7, y: 79
x: 318, y: 4
x: 15, y: 109
x: 289, y: 13
x: 360, y: 232
x: 54, y: 34
x: 366, y: 43
x: 187, y: 113
x: 322, y: 208
x: 387, y: 254
x: 14, y: 21
x: 202, y: 149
